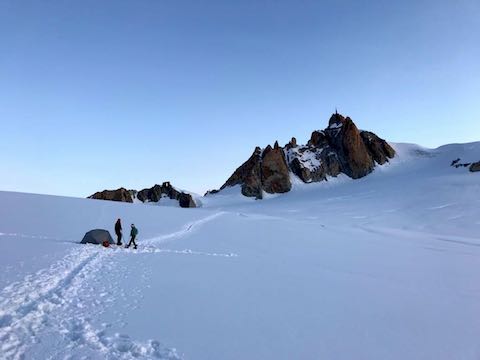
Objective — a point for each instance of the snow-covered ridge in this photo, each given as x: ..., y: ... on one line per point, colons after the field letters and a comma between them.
x: 309, y: 157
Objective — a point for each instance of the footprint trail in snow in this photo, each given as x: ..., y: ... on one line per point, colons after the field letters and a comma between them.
x: 51, y: 314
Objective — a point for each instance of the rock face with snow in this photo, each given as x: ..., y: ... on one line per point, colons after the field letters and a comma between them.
x: 149, y: 195
x: 248, y: 175
x: 475, y: 167
x: 340, y: 148
x: 122, y: 195
x: 157, y: 192
x: 345, y: 140
x: 266, y: 170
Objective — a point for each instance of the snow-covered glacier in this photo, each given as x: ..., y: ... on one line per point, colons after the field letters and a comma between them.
x: 383, y: 267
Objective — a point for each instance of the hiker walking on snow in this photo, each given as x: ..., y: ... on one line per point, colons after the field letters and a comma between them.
x: 118, y: 231
x: 133, y: 235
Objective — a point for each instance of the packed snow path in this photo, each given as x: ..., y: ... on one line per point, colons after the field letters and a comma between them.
x: 64, y: 299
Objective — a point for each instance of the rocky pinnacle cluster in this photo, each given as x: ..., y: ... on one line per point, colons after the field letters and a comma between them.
x: 340, y: 148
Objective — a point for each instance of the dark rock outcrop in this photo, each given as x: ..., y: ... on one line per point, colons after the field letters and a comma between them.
x: 318, y: 139
x: 122, y: 195
x: 166, y: 190
x: 291, y: 144
x: 153, y: 194
x: 312, y: 164
x: 186, y: 200
x: 380, y: 150
x: 156, y: 192
x: 475, y: 167
x: 340, y: 148
x: 265, y: 170
x: 457, y: 164
x: 274, y: 170
x: 248, y: 176
x: 454, y: 162
x: 345, y: 139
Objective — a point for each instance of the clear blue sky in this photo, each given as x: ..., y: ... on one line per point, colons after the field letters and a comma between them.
x: 102, y: 94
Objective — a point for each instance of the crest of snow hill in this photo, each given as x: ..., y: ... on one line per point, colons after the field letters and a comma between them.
x: 340, y: 148
x: 153, y: 194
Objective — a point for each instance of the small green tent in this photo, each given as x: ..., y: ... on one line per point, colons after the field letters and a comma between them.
x: 97, y: 236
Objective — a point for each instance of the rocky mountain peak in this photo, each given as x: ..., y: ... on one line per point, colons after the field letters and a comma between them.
x: 340, y: 148
x: 337, y: 120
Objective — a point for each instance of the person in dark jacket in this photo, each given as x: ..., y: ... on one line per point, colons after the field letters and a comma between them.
x: 118, y: 231
x: 133, y: 235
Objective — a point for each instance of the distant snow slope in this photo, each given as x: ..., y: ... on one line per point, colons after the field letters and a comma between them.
x: 384, y: 267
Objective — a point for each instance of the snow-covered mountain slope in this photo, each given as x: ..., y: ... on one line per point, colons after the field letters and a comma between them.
x: 384, y: 267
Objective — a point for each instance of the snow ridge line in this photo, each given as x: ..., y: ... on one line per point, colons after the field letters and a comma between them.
x: 186, y: 229
x: 25, y: 306
x: 151, y: 250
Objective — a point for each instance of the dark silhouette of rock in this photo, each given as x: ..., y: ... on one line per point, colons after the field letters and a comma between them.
x: 301, y: 171
x: 454, y: 162
x: 311, y: 164
x: 340, y: 148
x: 345, y: 139
x: 265, y: 170
x: 248, y: 175
x: 475, y: 167
x: 186, y: 200
x: 275, y: 172
x: 318, y: 139
x: 153, y: 194
x: 122, y: 195
x: 378, y: 148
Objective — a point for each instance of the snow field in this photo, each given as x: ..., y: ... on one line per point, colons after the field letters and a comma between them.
x: 385, y: 267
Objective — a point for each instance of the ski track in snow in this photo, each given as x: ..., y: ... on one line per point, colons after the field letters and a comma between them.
x: 190, y: 227
x: 154, y: 250
x: 61, y: 301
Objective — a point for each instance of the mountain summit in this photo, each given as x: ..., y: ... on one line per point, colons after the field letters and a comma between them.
x: 340, y: 148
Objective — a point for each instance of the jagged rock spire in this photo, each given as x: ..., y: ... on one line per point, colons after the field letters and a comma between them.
x: 340, y: 148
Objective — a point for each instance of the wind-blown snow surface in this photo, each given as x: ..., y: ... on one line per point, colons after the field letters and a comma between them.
x: 385, y: 267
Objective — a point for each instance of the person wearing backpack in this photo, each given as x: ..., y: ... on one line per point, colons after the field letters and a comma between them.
x: 133, y: 235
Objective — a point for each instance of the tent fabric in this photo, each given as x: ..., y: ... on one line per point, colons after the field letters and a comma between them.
x: 97, y: 236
